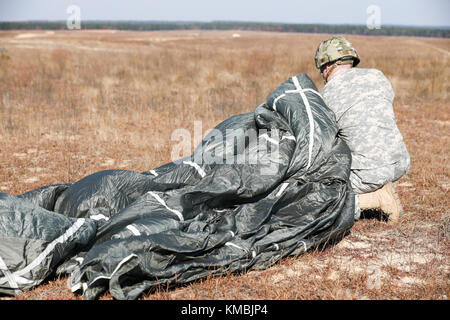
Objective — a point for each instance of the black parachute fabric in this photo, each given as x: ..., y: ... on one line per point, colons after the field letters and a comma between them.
x: 260, y: 186
x: 33, y: 241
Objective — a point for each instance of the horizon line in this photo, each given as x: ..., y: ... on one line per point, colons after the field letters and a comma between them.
x: 225, y: 21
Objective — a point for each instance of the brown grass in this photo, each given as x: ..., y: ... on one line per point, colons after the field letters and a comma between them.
x: 76, y: 102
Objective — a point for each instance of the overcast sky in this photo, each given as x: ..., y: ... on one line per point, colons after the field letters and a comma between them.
x: 392, y: 12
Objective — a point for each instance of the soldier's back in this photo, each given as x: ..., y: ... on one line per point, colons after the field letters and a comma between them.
x: 362, y: 101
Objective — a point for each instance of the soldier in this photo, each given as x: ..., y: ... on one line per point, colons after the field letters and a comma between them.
x: 362, y: 102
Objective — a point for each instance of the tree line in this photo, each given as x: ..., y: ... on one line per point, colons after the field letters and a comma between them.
x: 443, y: 32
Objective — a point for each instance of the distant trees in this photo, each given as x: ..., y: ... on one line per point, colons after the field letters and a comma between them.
x: 234, y: 25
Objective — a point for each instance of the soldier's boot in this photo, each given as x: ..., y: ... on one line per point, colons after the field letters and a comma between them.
x: 385, y: 199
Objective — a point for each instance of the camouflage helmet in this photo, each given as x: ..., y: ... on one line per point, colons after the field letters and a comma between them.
x: 334, y: 49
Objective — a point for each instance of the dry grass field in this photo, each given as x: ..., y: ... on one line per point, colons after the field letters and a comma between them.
x: 76, y: 102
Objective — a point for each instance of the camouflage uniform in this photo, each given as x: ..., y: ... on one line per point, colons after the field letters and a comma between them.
x: 362, y: 101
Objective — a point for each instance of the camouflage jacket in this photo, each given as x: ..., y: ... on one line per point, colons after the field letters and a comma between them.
x: 362, y: 102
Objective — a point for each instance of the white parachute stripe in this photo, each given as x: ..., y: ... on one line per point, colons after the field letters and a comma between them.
x: 283, y: 187
x: 200, y: 171
x: 266, y: 136
x: 8, y: 275
x: 304, y: 245
x: 81, y: 285
x: 133, y: 229
x: 85, y: 286
x: 288, y: 138
x: 76, y: 287
x: 161, y: 201
x: 80, y: 260
x: 313, y: 91
x: 153, y: 172
x: 304, y: 90
x: 25, y: 281
x: 274, y: 105
x: 310, y: 118
x: 98, y: 217
x: 231, y: 244
x: 50, y: 247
